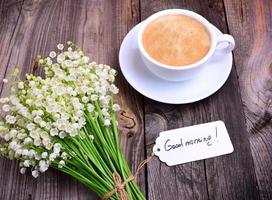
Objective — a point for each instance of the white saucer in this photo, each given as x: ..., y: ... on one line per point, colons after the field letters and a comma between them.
x: 141, y: 79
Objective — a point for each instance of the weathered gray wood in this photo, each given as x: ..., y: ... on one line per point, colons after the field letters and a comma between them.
x: 250, y: 23
x: 226, y: 177
x: 29, y: 28
x: 9, y: 17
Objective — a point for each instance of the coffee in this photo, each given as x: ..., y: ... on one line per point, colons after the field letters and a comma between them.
x: 176, y: 40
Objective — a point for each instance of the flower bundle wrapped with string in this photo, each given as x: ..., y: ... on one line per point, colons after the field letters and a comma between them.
x: 67, y: 121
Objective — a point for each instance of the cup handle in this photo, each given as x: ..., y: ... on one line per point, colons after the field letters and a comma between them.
x: 225, y: 38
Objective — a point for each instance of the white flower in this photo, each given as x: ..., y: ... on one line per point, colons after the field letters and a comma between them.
x: 107, y: 67
x: 44, y: 155
x: 23, y: 111
x: 31, y: 153
x: 70, y: 54
x: 90, y: 108
x: 64, y: 155
x: 54, y: 132
x: 27, y: 140
x: 52, y: 156
x: 61, y: 163
x: 34, y: 134
x: 29, y: 101
x: 93, y: 77
x: 13, y: 145
x: 91, y: 137
x: 75, y: 126
x: 14, y: 100
x: 39, y: 113
x: 49, y: 61
x: 52, y: 54
x: 30, y: 126
x: 5, y: 80
x: 7, y: 137
x: 111, y: 78
x: 76, y: 55
x: 85, y: 59
x: 10, y: 119
x: 57, y: 147
x: 62, y: 134
x: 4, y: 100
x: 32, y: 83
x: 73, y: 93
x: 13, y: 132
x: 94, y: 97
x: 37, y: 156
x: 46, y: 141
x: 43, y: 134
x: 43, y: 166
x: 49, y: 146
x: 60, y: 46
x: 23, y: 170
x: 56, y: 115
x: 107, y: 122
x: 68, y: 63
x: 42, y: 124
x: 25, y: 152
x: 21, y: 85
x: 81, y: 122
x: 114, y: 89
x: 18, y: 153
x: 73, y: 133
x: 79, y: 113
x: 85, y: 99
x: 27, y: 163
x: 105, y: 112
x: 112, y: 72
x: 60, y: 58
x: 37, y: 119
x: 37, y: 142
x: 35, y: 173
x: 116, y: 107
x: 21, y: 136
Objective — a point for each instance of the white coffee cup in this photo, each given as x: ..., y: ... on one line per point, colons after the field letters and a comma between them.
x: 181, y: 73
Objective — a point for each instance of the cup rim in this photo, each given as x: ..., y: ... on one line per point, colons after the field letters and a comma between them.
x: 189, y: 13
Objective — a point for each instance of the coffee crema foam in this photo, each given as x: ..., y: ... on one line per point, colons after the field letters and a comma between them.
x: 176, y: 40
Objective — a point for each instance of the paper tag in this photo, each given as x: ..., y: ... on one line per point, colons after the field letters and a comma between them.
x: 193, y: 143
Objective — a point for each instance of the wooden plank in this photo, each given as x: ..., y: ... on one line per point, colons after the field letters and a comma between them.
x: 225, y: 177
x: 131, y: 116
x: 250, y: 23
x: 9, y: 16
x: 98, y: 26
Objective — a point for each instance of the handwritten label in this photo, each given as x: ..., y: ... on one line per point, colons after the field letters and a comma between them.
x: 193, y: 143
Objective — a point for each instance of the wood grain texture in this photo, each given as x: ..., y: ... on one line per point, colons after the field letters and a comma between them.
x: 9, y: 15
x: 30, y: 28
x: 225, y: 177
x: 250, y: 22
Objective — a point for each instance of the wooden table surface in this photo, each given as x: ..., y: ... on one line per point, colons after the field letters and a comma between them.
x: 29, y: 28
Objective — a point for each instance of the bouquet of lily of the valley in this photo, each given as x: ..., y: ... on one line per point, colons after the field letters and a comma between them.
x: 67, y: 121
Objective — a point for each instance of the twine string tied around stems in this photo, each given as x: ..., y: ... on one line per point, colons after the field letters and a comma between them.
x: 120, y: 186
